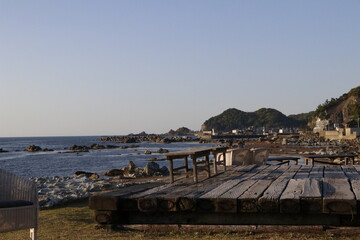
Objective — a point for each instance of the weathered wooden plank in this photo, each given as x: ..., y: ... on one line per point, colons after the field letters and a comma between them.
x: 175, y: 200
x: 357, y: 167
x: 186, y: 197
x: 143, y: 201
x: 265, y: 170
x: 334, y: 172
x: 311, y: 196
x: 228, y: 202
x: 160, y: 200
x: 317, y: 172
x: 210, y: 218
x: 106, y: 217
x: 303, y: 172
x: 290, y: 198
x: 350, y: 172
x: 246, y: 168
x: 269, y: 201
x: 277, y: 172
x: 248, y: 201
x: 221, y: 228
x: 338, y: 197
x: 227, y: 197
x: 224, y: 187
x: 355, y: 184
x: 210, y: 201
x: 112, y: 200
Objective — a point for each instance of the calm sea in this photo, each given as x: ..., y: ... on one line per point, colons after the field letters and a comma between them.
x: 60, y: 163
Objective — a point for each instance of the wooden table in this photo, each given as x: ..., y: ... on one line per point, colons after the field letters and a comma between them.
x: 329, y: 159
x: 194, y: 154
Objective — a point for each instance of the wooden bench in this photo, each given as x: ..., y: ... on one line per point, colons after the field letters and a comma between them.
x: 329, y: 159
x: 280, y: 160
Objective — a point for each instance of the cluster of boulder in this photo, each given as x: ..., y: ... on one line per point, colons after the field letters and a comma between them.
x: 79, y: 148
x: 34, y: 148
x: 132, y: 171
x: 147, y: 138
x: 2, y: 150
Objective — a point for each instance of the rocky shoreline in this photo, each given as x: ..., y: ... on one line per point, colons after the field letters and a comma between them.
x: 53, y: 191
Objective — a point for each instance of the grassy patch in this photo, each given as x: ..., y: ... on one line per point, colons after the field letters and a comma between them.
x: 74, y: 222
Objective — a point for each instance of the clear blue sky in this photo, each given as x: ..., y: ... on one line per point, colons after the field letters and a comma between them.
x: 116, y: 67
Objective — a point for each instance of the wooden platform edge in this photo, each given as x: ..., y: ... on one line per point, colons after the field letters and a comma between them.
x: 216, y: 228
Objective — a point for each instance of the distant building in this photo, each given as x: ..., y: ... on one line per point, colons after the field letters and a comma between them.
x: 335, y: 131
x: 341, y: 133
x: 236, y: 131
x: 321, y: 125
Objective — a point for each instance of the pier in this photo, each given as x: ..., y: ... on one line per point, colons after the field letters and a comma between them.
x: 241, y: 195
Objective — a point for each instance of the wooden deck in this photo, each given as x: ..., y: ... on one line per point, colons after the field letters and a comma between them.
x: 244, y: 195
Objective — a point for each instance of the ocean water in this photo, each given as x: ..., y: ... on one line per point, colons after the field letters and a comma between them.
x: 60, y: 163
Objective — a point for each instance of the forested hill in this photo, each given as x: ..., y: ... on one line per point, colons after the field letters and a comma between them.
x: 265, y: 117
x: 344, y: 109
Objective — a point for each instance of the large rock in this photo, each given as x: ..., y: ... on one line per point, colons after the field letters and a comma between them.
x: 130, y: 140
x: 151, y: 168
x: 114, y: 172
x: 164, y: 171
x: 89, y: 175
x: 79, y: 148
x: 33, y: 148
x: 132, y: 167
x: 162, y: 150
x: 97, y: 146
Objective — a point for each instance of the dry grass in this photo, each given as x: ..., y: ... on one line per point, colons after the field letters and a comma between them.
x: 74, y: 222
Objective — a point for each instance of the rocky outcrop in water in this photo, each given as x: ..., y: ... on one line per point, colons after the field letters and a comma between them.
x: 148, y: 138
x: 34, y: 148
x: 161, y: 150
x: 79, y: 148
